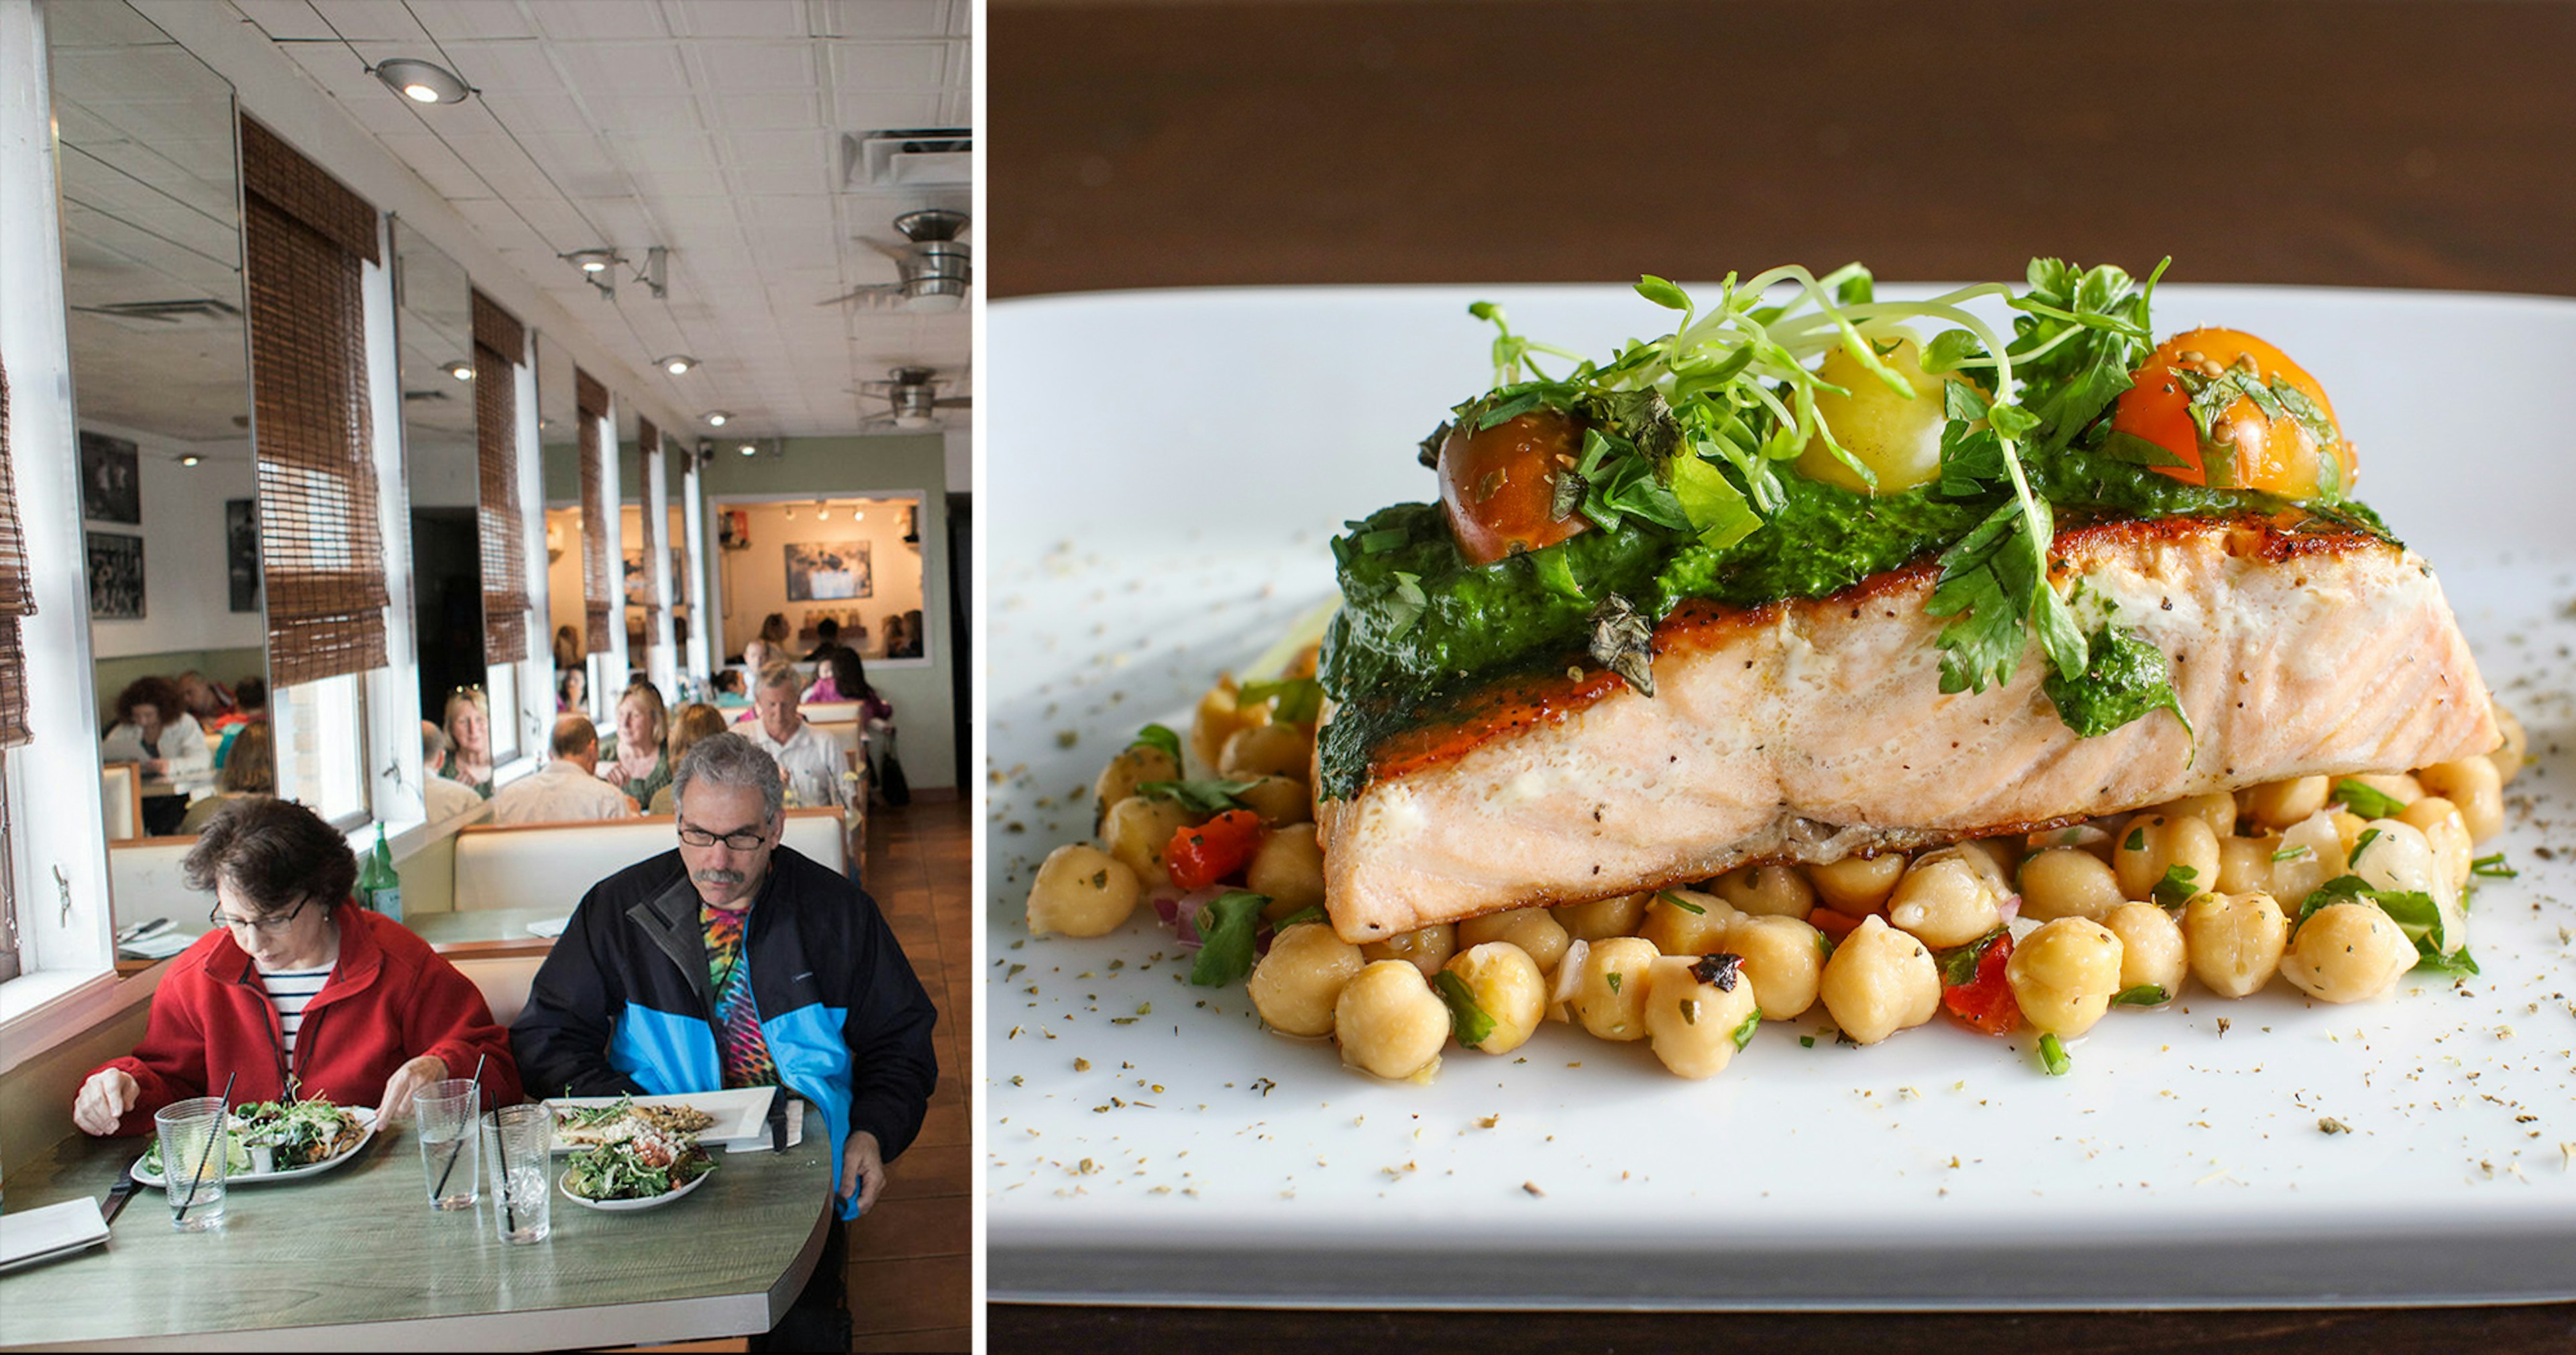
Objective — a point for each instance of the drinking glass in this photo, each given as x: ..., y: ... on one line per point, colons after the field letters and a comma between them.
x: 193, y: 1161
x: 517, y: 1142
x: 446, y: 1112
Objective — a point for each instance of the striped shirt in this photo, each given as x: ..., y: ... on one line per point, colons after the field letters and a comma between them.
x: 289, y: 991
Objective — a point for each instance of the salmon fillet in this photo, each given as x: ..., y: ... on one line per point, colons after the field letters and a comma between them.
x: 1812, y: 729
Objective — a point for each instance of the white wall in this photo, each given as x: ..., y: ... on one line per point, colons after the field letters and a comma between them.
x: 187, y: 593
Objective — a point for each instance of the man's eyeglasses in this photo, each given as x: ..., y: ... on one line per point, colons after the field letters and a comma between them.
x: 267, y: 926
x: 743, y: 840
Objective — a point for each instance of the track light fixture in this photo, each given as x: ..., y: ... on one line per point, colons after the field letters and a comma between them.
x: 462, y: 371
x: 716, y: 418
x: 677, y: 364
x: 421, y: 81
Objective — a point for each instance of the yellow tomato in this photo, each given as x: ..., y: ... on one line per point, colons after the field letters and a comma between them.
x: 2276, y: 454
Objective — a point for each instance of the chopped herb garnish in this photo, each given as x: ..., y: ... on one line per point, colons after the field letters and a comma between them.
x: 1297, y: 700
x: 2137, y: 840
x: 1806, y: 1041
x: 1200, y: 797
x: 1613, y: 980
x: 1229, y: 928
x: 1157, y: 736
x: 2176, y: 888
x: 2414, y: 912
x: 2362, y: 844
x: 2366, y: 801
x: 1468, y: 1019
x: 1624, y: 643
x: 2142, y: 995
x: 2493, y: 867
x: 1687, y: 906
x: 2302, y: 852
x: 2052, y: 1055
x: 2123, y: 678
x: 1958, y: 964
x: 1744, y: 1033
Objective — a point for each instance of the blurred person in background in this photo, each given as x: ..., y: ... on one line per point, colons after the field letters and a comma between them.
x: 768, y: 647
x: 811, y: 759
x: 635, y: 760
x: 469, y: 734
x: 444, y: 798
x: 154, y: 730
x: 694, y: 722
x: 250, y: 702
x: 568, y: 789
x: 250, y: 770
x: 827, y: 637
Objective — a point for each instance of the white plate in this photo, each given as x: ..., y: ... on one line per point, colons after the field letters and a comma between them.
x: 629, y: 1206
x: 741, y: 1113
x: 1147, y: 535
x: 366, y: 1116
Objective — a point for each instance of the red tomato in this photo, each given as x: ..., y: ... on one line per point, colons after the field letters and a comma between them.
x: 1201, y: 856
x: 1499, y: 484
x: 1985, y: 1003
x: 2279, y: 455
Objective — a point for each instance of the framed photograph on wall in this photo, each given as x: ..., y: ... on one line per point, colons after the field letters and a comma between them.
x: 828, y: 571
x: 241, y: 552
x: 111, y: 479
x: 115, y: 576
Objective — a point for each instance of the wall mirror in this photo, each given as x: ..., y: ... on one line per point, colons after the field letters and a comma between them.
x: 559, y: 439
x: 434, y: 329
x: 853, y: 560
x: 152, y: 260
x: 630, y: 540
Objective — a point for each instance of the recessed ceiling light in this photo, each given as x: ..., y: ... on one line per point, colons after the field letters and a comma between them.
x: 677, y: 363
x: 462, y: 371
x: 822, y: 511
x: 748, y: 449
x: 422, y: 82
x: 190, y: 459
x: 716, y: 418
x: 592, y: 260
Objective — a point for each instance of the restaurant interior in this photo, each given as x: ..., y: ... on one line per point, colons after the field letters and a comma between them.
x: 400, y: 358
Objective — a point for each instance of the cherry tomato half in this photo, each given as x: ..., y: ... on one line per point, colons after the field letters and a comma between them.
x: 1985, y: 1003
x: 1201, y: 856
x: 1498, y: 484
x: 2279, y: 455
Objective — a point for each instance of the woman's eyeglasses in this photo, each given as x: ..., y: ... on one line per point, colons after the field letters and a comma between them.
x: 266, y: 926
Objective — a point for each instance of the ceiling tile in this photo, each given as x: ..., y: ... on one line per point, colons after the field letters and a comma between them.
x: 579, y: 20
x: 869, y: 111
x: 757, y: 67
x: 513, y: 66
x: 889, y: 65
x: 807, y: 150
x: 778, y: 179
x: 450, y: 21
x: 439, y: 166
x: 741, y: 18
x: 645, y: 113
x: 613, y: 67
x: 739, y: 111
x: 285, y: 19
x: 885, y: 18
x: 526, y: 111
x: 373, y: 21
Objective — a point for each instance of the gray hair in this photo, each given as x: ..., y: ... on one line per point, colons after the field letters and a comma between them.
x: 729, y: 759
x: 781, y: 675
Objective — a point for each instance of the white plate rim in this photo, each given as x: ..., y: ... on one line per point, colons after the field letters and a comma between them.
x: 366, y: 1117
x: 563, y: 1182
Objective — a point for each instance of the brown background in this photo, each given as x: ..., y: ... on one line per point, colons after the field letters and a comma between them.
x: 2353, y: 144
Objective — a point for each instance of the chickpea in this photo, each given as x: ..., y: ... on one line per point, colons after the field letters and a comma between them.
x: 1785, y: 959
x: 1680, y: 931
x: 1278, y: 800
x: 1218, y: 717
x: 2234, y: 941
x: 2154, y: 844
x: 1289, y: 867
x: 1081, y: 891
x: 1768, y: 891
x: 2347, y: 952
x: 2474, y: 785
x: 1505, y: 981
x: 2398, y: 786
x: 1266, y: 750
x: 1694, y: 1022
x: 1296, y: 984
x: 2245, y: 864
x: 2444, y: 829
x: 1125, y: 772
x: 1424, y: 948
x: 2217, y: 809
x: 2150, y: 947
x: 1879, y: 981
x: 2067, y: 882
x: 1535, y: 930
x: 2278, y: 804
x: 1996, y: 858
x: 1857, y: 885
x: 1137, y: 830
x: 2515, y: 752
x: 1945, y: 900
x: 2310, y: 854
x: 1602, y: 918
x: 1390, y: 1023
x: 1610, y: 1000
x: 2348, y: 828
x: 2065, y: 974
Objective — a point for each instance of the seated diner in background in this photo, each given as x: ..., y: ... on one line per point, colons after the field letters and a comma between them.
x: 441, y: 798
x: 844, y: 677
x: 567, y: 648
x: 635, y: 760
x: 769, y: 646
x: 469, y: 732
x: 812, y: 760
x: 250, y: 770
x: 250, y: 706
x: 572, y: 691
x: 801, y: 984
x: 568, y: 789
x: 827, y: 637
x: 694, y: 722
x: 297, y: 990
x: 154, y: 729
x: 207, y: 700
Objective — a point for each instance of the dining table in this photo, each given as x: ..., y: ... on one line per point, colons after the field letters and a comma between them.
x: 355, y: 1258
x: 2410, y: 144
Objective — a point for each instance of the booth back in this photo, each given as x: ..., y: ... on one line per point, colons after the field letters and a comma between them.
x: 144, y: 882
x: 552, y: 865
x: 120, y: 795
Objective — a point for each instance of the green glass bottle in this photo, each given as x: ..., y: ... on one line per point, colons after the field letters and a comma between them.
x: 379, y: 887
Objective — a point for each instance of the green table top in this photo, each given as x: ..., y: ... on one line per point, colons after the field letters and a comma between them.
x: 356, y: 1258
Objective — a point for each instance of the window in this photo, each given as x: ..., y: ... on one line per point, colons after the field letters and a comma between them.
x: 8, y: 881
x: 501, y: 686
x: 317, y: 723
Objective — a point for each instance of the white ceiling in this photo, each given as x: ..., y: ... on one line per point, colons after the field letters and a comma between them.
x: 711, y: 127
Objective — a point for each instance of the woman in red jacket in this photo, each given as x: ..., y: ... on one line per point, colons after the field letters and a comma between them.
x: 295, y: 986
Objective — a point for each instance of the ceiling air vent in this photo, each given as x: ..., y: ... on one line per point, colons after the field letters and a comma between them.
x: 910, y: 157
x: 162, y: 316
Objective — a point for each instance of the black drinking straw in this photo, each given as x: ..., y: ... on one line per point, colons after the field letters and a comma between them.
x: 451, y: 1157
x: 501, y: 1149
x: 223, y: 1112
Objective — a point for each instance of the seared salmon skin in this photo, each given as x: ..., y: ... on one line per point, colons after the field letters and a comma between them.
x: 1812, y: 729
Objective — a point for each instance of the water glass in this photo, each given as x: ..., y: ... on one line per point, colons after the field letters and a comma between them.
x: 518, y: 1142
x: 193, y: 1161
x: 446, y: 1112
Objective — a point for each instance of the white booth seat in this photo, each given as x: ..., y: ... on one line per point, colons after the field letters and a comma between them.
x: 551, y: 865
x: 144, y: 881
x: 504, y: 981
x: 120, y: 795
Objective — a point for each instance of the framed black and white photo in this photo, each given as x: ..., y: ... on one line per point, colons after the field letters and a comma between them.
x: 111, y: 479
x: 829, y: 570
x: 115, y: 576
x: 241, y: 552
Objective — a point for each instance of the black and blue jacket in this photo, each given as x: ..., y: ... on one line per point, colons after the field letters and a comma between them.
x: 624, y: 1003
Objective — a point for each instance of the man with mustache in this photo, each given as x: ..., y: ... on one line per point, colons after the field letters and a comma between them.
x: 733, y: 961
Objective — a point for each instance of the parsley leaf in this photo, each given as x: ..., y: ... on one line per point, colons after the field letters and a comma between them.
x: 1199, y: 797
x: 1743, y: 1034
x: 1958, y: 964
x: 1229, y: 929
x: 2143, y: 995
x: 2176, y: 888
x: 1468, y: 1020
x: 1297, y: 700
x: 2414, y: 912
x: 2368, y: 803
x: 1158, y: 736
x: 2123, y: 679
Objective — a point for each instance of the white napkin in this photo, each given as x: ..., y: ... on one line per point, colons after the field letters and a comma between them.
x: 549, y: 928
x: 157, y: 946
x: 32, y: 1234
x: 795, y: 1131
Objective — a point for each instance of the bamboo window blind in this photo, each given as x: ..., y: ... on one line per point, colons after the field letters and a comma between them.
x: 16, y: 598
x: 592, y: 400
x: 307, y: 238
x: 648, y: 447
x: 499, y: 344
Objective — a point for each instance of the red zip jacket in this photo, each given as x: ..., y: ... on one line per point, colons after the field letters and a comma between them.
x: 390, y: 999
